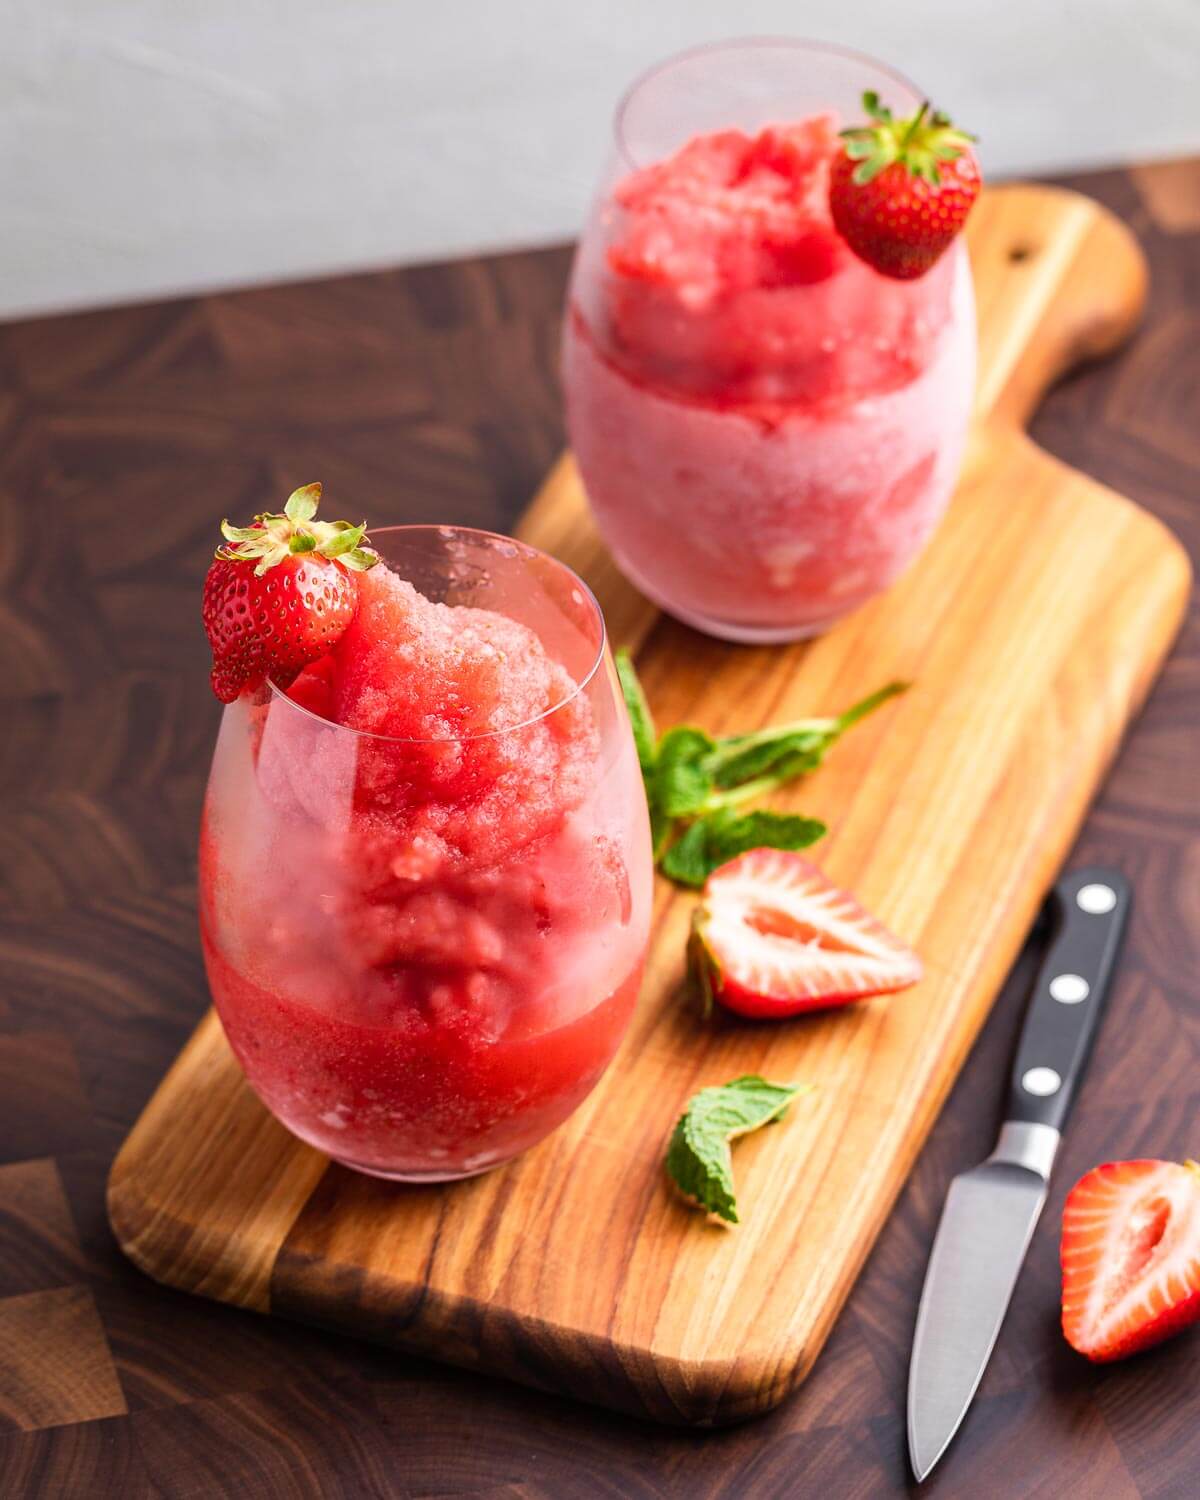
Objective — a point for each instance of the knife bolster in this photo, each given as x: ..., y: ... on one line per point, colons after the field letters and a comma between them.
x: 1031, y: 1146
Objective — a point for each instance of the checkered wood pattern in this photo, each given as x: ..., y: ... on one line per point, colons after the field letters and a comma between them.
x: 433, y: 393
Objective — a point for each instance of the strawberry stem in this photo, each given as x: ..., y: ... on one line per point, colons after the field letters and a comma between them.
x: 914, y: 124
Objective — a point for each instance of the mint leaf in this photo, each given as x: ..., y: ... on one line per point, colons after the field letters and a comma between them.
x: 692, y: 778
x: 687, y: 859
x: 698, y: 1156
x: 660, y: 830
x: 729, y: 836
x: 788, y: 750
x: 685, y: 745
x: 644, y: 735
x: 681, y: 784
x: 749, y: 756
x: 713, y: 840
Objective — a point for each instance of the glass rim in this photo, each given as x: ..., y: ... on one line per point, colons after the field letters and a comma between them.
x: 477, y: 533
x: 743, y: 43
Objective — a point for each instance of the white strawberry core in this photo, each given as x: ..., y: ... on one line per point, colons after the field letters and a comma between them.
x: 777, y: 925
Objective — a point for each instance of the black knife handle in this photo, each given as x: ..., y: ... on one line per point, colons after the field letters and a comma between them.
x: 1091, y: 908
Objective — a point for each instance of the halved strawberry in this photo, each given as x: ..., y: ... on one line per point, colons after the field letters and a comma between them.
x: 280, y: 593
x: 1130, y: 1256
x: 772, y: 936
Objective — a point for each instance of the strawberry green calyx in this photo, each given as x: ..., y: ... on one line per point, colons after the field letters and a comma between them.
x: 274, y: 537
x: 703, y: 965
x: 918, y: 142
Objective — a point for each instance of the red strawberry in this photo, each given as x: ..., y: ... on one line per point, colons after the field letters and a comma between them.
x: 900, y: 190
x: 1130, y: 1256
x: 281, y: 593
x: 772, y: 936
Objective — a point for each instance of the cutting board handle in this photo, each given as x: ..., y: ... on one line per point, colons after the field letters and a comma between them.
x: 1059, y: 279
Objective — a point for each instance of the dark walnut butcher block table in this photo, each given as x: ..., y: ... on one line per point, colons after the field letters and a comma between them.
x: 431, y: 394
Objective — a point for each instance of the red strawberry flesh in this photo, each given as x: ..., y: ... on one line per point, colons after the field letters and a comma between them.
x: 773, y: 936
x: 1130, y: 1257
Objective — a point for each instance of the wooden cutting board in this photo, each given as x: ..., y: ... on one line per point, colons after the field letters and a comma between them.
x: 1032, y: 628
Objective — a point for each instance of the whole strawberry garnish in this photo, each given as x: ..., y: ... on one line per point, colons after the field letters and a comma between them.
x: 1130, y: 1257
x: 281, y: 593
x: 900, y: 190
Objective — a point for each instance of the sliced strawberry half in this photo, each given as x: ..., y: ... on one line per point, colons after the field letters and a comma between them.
x: 772, y: 936
x: 1130, y: 1257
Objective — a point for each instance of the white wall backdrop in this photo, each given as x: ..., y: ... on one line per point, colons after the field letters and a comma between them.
x: 156, y: 146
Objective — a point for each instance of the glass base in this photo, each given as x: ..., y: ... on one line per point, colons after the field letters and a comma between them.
x: 749, y: 635
x: 740, y: 633
x: 417, y: 1178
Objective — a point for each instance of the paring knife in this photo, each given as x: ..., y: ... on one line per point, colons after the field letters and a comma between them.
x: 991, y: 1211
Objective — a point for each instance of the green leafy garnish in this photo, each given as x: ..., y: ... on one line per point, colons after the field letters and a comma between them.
x: 698, y: 1156
x: 919, y: 142
x: 708, y: 843
x: 294, y: 531
x: 695, y: 783
x: 681, y: 781
x: 644, y: 735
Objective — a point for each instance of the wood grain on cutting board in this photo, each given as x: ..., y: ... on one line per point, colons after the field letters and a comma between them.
x: 1032, y: 628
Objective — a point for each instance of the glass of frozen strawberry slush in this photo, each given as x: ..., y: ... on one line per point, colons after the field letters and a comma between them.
x: 768, y: 428
x: 425, y: 866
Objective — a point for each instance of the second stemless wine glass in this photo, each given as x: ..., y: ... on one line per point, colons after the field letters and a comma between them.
x: 767, y: 429
x: 425, y: 952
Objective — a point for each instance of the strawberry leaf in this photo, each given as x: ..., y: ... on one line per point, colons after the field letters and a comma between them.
x: 699, y: 1161
x: 343, y: 541
x: 704, y: 969
x: 359, y: 560
x: 275, y: 552
x: 302, y: 503
x: 241, y: 533
x: 918, y: 142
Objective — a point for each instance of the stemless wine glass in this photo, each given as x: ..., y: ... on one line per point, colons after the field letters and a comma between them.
x: 425, y: 952
x: 767, y: 429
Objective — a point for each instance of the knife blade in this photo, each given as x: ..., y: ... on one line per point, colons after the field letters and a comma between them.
x: 991, y: 1211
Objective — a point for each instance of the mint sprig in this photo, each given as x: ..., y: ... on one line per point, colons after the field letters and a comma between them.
x: 695, y: 784
x: 709, y: 842
x: 644, y: 736
x: 699, y: 1161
